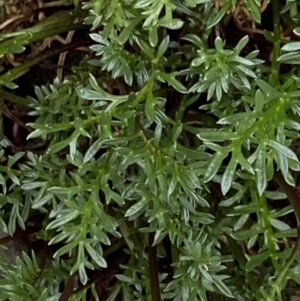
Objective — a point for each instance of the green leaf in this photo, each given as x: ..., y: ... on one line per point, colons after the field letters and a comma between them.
x: 63, y: 220
x: 293, y: 46
x: 241, y: 45
x: 216, y: 136
x: 238, y: 117
x: 195, y: 39
x: 93, y: 149
x: 219, y: 15
x: 241, y: 221
x: 260, y: 169
x: 163, y: 47
x: 222, y: 288
x: 128, y: 30
x: 246, y: 234
x: 285, y: 151
x: 244, y: 163
x: 96, y: 256
x: 16, y: 49
x: 153, y: 37
x: 219, y: 44
x: 137, y: 207
x: 275, y: 195
x: 269, y: 90
x: 256, y: 260
x: 66, y: 248
x: 172, y: 81
x: 290, y: 58
x: 276, y: 223
x: 13, y: 177
x: 254, y: 9
x: 114, y: 293
x: 146, y: 48
x: 55, y: 148
x: 33, y: 185
x: 151, y: 102
x: 228, y: 175
x: 215, y: 165
x: 259, y: 101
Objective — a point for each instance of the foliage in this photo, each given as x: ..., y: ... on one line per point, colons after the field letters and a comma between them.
x: 168, y: 160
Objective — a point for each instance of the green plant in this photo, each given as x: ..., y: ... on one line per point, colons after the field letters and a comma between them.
x: 168, y: 155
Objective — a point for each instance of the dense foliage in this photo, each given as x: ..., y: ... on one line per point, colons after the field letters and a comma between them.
x: 161, y: 164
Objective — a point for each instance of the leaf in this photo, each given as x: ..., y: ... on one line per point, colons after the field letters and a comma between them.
x: 55, y: 148
x: 244, y: 163
x: 137, y: 207
x: 276, y: 223
x: 195, y: 39
x: 254, y: 9
x: 13, y: 177
x: 222, y: 288
x: 163, y: 47
x: 128, y: 30
x: 238, y: 117
x: 150, y: 106
x: 260, y: 169
x: 246, y: 234
x: 228, y: 175
x: 293, y: 46
x: 33, y: 185
x: 275, y: 195
x: 153, y: 37
x: 217, y: 18
x: 290, y: 58
x: 63, y: 220
x: 93, y: 149
x: 241, y: 45
x: 216, y: 136
x: 259, y: 101
x: 256, y: 260
x: 241, y: 222
x: 269, y: 90
x: 16, y: 49
x: 96, y: 256
x: 114, y: 293
x: 219, y: 44
x: 171, y: 80
x: 66, y: 248
x: 214, y: 165
x: 146, y: 48
x: 283, y: 150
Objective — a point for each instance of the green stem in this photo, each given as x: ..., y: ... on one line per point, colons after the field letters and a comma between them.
x: 294, y: 200
x: 15, y: 99
x: 11, y: 74
x: 277, y: 284
x: 276, y: 46
x: 290, y: 193
x: 153, y: 267
x: 268, y: 232
x: 242, y: 261
x: 7, y: 45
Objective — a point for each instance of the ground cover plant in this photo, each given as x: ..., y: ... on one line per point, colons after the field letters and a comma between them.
x: 149, y: 149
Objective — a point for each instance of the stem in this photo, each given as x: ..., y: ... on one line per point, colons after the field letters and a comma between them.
x: 295, y: 202
x: 268, y: 229
x: 22, y: 41
x: 153, y: 267
x: 15, y: 99
x: 276, y: 46
x: 277, y: 284
x: 290, y: 193
x: 11, y: 74
x: 242, y: 261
